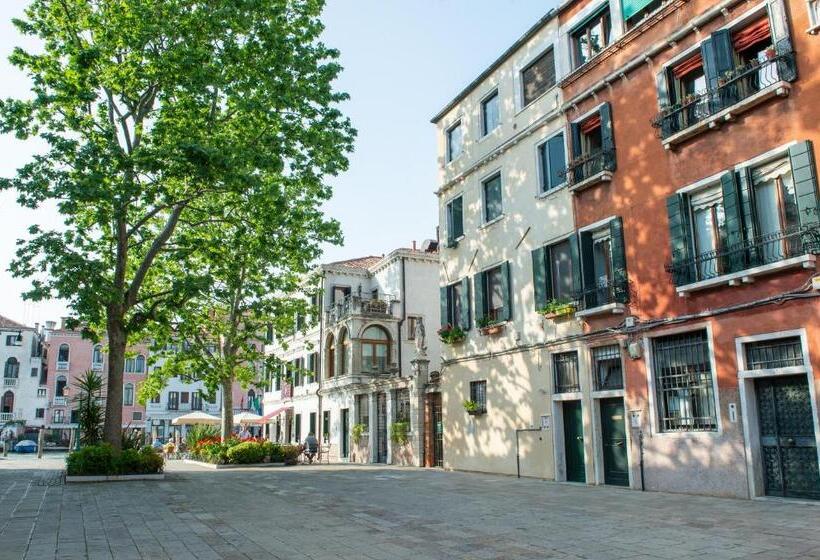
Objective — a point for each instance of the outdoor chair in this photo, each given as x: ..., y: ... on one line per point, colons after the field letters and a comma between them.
x: 324, y: 453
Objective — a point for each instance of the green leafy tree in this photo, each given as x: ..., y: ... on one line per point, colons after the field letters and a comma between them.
x: 155, y: 113
x: 257, y: 267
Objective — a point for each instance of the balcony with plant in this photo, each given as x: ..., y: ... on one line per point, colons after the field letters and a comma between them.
x: 450, y: 334
x: 490, y: 326
x: 473, y: 408
x: 557, y: 308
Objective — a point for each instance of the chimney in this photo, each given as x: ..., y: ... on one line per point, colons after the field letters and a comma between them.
x: 62, y: 322
x: 414, y: 244
x: 50, y: 325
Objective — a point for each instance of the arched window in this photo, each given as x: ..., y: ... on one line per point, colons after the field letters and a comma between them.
x: 12, y: 370
x: 129, y: 365
x: 331, y: 356
x: 344, y: 342
x: 97, y: 356
x: 375, y: 349
x: 61, y: 381
x: 8, y: 402
x: 63, y: 354
x: 139, y: 364
x: 128, y: 394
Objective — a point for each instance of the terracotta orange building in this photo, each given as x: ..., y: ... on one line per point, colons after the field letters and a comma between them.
x: 693, y: 139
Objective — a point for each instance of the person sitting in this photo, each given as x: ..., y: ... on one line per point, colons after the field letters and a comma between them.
x: 311, y: 447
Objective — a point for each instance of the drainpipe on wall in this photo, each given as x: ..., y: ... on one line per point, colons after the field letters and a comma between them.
x: 321, y: 365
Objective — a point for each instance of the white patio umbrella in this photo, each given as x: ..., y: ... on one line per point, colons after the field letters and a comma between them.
x: 246, y: 418
x: 193, y: 418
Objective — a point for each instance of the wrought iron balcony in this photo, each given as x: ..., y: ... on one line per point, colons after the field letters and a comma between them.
x: 758, y: 251
x: 59, y: 401
x: 358, y: 305
x: 9, y: 381
x: 615, y: 290
x: 734, y: 87
x: 588, y: 165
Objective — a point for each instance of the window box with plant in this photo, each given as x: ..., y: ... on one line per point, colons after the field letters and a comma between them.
x: 473, y: 408
x: 476, y: 405
x: 490, y: 327
x: 400, y: 433
x: 557, y: 308
x: 450, y: 334
x: 493, y: 301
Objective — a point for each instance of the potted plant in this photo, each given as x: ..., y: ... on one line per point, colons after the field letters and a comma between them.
x: 771, y: 53
x: 472, y: 408
x: 490, y: 326
x: 557, y: 308
x: 400, y: 433
x: 357, y: 432
x: 450, y: 334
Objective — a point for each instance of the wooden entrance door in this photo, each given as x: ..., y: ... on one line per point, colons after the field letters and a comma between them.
x: 613, y: 440
x: 574, y: 441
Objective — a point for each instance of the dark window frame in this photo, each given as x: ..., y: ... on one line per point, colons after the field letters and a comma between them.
x: 603, y: 17
x: 448, y: 139
x: 485, y: 185
x: 478, y: 394
x: 454, y: 234
x: 546, y: 165
x: 542, y: 88
x: 485, y: 101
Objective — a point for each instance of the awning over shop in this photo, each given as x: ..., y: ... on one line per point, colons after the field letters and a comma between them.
x: 271, y: 415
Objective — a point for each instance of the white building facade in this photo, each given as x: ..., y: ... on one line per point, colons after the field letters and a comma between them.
x: 24, y: 391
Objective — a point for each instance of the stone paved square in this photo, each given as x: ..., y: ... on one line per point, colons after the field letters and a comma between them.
x: 365, y: 512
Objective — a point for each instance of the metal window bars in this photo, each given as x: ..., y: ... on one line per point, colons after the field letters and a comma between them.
x: 588, y: 165
x: 565, y: 367
x: 775, y: 353
x: 608, y: 372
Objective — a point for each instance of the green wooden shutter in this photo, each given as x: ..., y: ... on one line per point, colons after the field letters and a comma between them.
x: 608, y: 136
x: 557, y: 160
x: 465, y: 304
x: 680, y: 238
x: 781, y: 39
x: 804, y: 173
x: 588, y: 269
x: 747, y: 212
x: 575, y: 129
x: 575, y: 252
x: 732, y: 233
x: 506, y: 289
x: 662, y: 81
x: 451, y: 238
x: 620, y: 289
x: 445, y: 308
x: 478, y: 297
x: 458, y: 218
x: 539, y: 277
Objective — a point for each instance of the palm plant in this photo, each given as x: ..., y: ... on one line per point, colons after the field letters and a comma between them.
x: 90, y: 407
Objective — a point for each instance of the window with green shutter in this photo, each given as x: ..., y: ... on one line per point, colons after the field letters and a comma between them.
x: 455, y: 306
x: 553, y: 275
x: 455, y: 221
x: 603, y: 265
x: 492, y: 289
x: 492, y: 198
x: 552, y: 163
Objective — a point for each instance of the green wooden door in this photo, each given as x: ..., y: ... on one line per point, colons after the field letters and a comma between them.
x: 788, y: 446
x: 345, y: 421
x: 613, y: 440
x: 574, y: 441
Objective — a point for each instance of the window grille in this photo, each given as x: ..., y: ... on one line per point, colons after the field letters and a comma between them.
x: 565, y: 366
x: 606, y: 362
x: 478, y: 394
x: 777, y: 353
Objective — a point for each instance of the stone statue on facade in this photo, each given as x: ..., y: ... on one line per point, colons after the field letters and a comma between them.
x: 420, y: 334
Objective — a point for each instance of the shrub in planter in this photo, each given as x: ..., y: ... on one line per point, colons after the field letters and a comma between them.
x: 450, y: 334
x: 290, y: 453
x: 152, y: 462
x: 246, y: 453
x: 357, y: 432
x: 92, y: 460
x: 399, y: 432
x: 273, y: 451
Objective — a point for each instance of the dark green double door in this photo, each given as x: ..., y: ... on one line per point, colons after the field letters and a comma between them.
x: 787, y: 441
x: 574, y: 441
x: 613, y: 441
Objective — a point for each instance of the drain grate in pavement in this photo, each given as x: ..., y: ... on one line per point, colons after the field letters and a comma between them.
x: 51, y: 479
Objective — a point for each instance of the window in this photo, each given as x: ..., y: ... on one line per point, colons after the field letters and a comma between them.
x: 538, y: 77
x: 62, y: 354
x: 137, y: 416
x: 603, y: 265
x: 634, y: 11
x: 607, y: 369
x: 59, y: 390
x: 565, y: 371
x: 14, y: 339
x: 773, y: 354
x: 312, y: 423
x: 593, y: 145
x: 75, y: 416
x: 683, y: 383
x: 128, y: 395
x: 58, y: 416
x: 40, y: 413
x: 297, y: 428
x: 492, y: 295
x: 173, y: 400
x: 12, y: 369
x: 155, y: 400
x: 42, y: 392
x: 455, y: 305
x: 492, y: 198
x: 363, y: 410
x: 184, y: 396
x: 343, y: 345
x: 312, y: 368
x: 196, y: 400
x: 326, y: 426
x: 814, y: 12
x: 412, y: 322
x: 340, y: 293
x: 591, y: 37
x: 454, y: 216
x: 401, y: 403
x: 758, y: 215
x: 330, y: 362
x: 490, y: 117
x: 139, y: 364
x: 455, y: 141
x: 130, y: 364
x: 375, y: 350
x: 552, y: 163
x: 478, y: 394
x: 554, y: 272
x: 97, y: 357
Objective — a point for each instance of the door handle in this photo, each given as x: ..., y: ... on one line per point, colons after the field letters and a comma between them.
x: 790, y: 442
x: 579, y: 438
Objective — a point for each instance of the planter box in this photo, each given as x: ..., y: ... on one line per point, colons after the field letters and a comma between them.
x: 232, y: 466
x: 476, y: 412
x: 492, y: 330
x: 453, y: 341
x: 569, y: 311
x: 115, y: 478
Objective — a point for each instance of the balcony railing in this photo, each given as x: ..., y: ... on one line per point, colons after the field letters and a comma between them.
x: 6, y: 416
x: 588, y: 165
x: 758, y: 251
x: 357, y: 305
x: 62, y: 366
x: 613, y: 291
x: 735, y: 86
x: 9, y: 382
x: 59, y: 401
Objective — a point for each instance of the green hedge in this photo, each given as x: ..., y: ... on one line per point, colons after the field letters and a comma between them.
x: 104, y: 460
x: 238, y: 452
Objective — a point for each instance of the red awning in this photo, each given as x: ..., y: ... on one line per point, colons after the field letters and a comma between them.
x: 591, y: 124
x: 271, y: 415
x: 751, y: 34
x: 689, y: 65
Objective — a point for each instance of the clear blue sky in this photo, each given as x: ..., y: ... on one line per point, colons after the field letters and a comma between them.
x: 403, y: 61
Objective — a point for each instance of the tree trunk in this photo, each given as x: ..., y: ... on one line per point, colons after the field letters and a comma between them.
x: 227, y: 409
x: 117, y: 342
